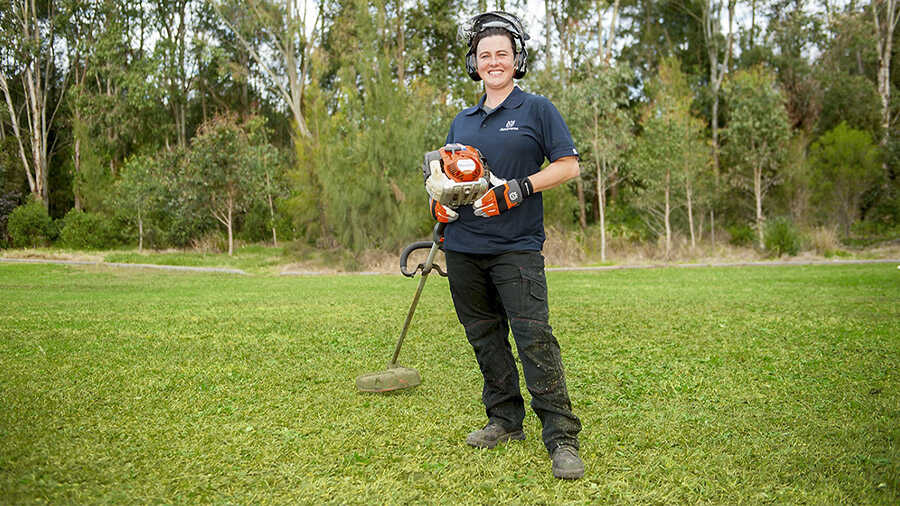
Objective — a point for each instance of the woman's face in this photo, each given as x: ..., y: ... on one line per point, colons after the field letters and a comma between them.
x: 495, y: 58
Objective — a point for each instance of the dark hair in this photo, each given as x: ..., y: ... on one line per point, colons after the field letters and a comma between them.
x: 490, y: 32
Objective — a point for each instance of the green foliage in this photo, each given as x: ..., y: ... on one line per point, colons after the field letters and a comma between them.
x: 561, y: 206
x: 594, y: 106
x: 154, y: 192
x: 669, y: 155
x: 360, y: 185
x: 757, y: 125
x: 256, y: 225
x: 741, y: 235
x: 92, y: 181
x: 846, y: 164
x: 227, y: 167
x: 627, y: 223
x: 782, y: 237
x: 137, y: 192
x: 30, y: 226
x: 756, y: 136
x: 851, y: 99
x: 8, y: 203
x: 87, y: 231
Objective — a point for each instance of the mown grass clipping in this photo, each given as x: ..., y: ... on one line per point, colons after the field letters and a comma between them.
x: 722, y: 385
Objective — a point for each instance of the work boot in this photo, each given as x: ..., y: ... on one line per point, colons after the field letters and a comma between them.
x: 567, y: 465
x: 491, y: 435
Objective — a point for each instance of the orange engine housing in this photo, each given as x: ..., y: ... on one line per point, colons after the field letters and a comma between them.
x: 462, y: 164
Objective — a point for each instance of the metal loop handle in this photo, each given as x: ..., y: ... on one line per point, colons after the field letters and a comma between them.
x: 425, y: 268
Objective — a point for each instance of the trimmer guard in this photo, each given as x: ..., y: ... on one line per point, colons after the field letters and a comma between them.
x: 393, y: 378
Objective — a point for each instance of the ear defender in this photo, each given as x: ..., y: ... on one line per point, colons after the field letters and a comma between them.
x: 521, y: 64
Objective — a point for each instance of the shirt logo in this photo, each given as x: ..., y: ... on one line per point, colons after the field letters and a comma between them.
x: 510, y: 126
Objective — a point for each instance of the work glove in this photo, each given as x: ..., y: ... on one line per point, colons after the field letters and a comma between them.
x: 442, y: 213
x: 503, y: 196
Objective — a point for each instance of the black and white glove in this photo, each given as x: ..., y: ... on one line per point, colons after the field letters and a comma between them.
x: 503, y: 196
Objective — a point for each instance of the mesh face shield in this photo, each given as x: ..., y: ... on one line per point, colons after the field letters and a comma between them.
x: 494, y: 19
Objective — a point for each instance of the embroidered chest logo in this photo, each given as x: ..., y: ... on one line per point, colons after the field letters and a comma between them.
x: 510, y: 126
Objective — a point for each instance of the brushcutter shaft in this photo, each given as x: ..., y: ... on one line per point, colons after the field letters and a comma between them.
x: 415, y: 302
x: 426, y: 269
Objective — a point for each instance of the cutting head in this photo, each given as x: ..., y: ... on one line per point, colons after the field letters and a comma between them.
x: 395, y: 377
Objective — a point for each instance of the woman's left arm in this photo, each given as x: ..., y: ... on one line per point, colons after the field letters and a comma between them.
x: 555, y: 174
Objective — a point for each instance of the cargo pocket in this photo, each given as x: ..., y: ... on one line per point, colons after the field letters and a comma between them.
x: 534, y: 294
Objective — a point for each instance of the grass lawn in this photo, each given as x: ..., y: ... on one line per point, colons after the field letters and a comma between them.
x: 722, y: 385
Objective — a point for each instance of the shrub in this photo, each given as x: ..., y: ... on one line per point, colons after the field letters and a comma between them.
x: 8, y: 202
x: 83, y: 230
x: 741, y: 235
x: 781, y: 237
x: 30, y: 226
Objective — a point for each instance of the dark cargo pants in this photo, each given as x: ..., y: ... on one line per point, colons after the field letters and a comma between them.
x: 493, y: 294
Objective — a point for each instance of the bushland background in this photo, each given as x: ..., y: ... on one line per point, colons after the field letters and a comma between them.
x: 706, y: 127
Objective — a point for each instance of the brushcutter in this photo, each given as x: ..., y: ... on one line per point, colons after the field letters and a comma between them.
x: 397, y: 377
x: 455, y: 175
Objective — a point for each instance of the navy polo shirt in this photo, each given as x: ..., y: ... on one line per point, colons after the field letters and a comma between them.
x: 514, y: 138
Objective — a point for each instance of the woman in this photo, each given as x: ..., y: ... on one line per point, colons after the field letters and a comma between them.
x: 493, y: 248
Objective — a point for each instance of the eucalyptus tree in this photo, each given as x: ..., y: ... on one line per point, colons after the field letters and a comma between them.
x: 670, y: 153
x: 757, y: 131
x: 137, y: 192
x: 794, y: 32
x: 227, y: 166
x: 279, y: 35
x: 717, y: 48
x: 885, y: 14
x: 114, y: 105
x: 30, y: 38
x: 595, y: 107
x: 174, y: 22
x: 662, y: 28
x: 86, y: 21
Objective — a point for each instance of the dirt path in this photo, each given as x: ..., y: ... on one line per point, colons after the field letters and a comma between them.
x: 223, y: 270
x: 117, y: 264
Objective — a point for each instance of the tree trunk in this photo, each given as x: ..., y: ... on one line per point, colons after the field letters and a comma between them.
x: 582, y: 213
x: 548, y: 16
x: 711, y: 24
x: 230, y: 227
x: 26, y: 162
x: 885, y: 22
x: 271, y: 209
x: 757, y: 193
x: 607, y: 52
x: 36, y: 79
x: 690, y: 209
x: 292, y: 91
x: 76, y: 169
x: 140, y: 233
x: 601, y: 197
x: 667, y: 217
